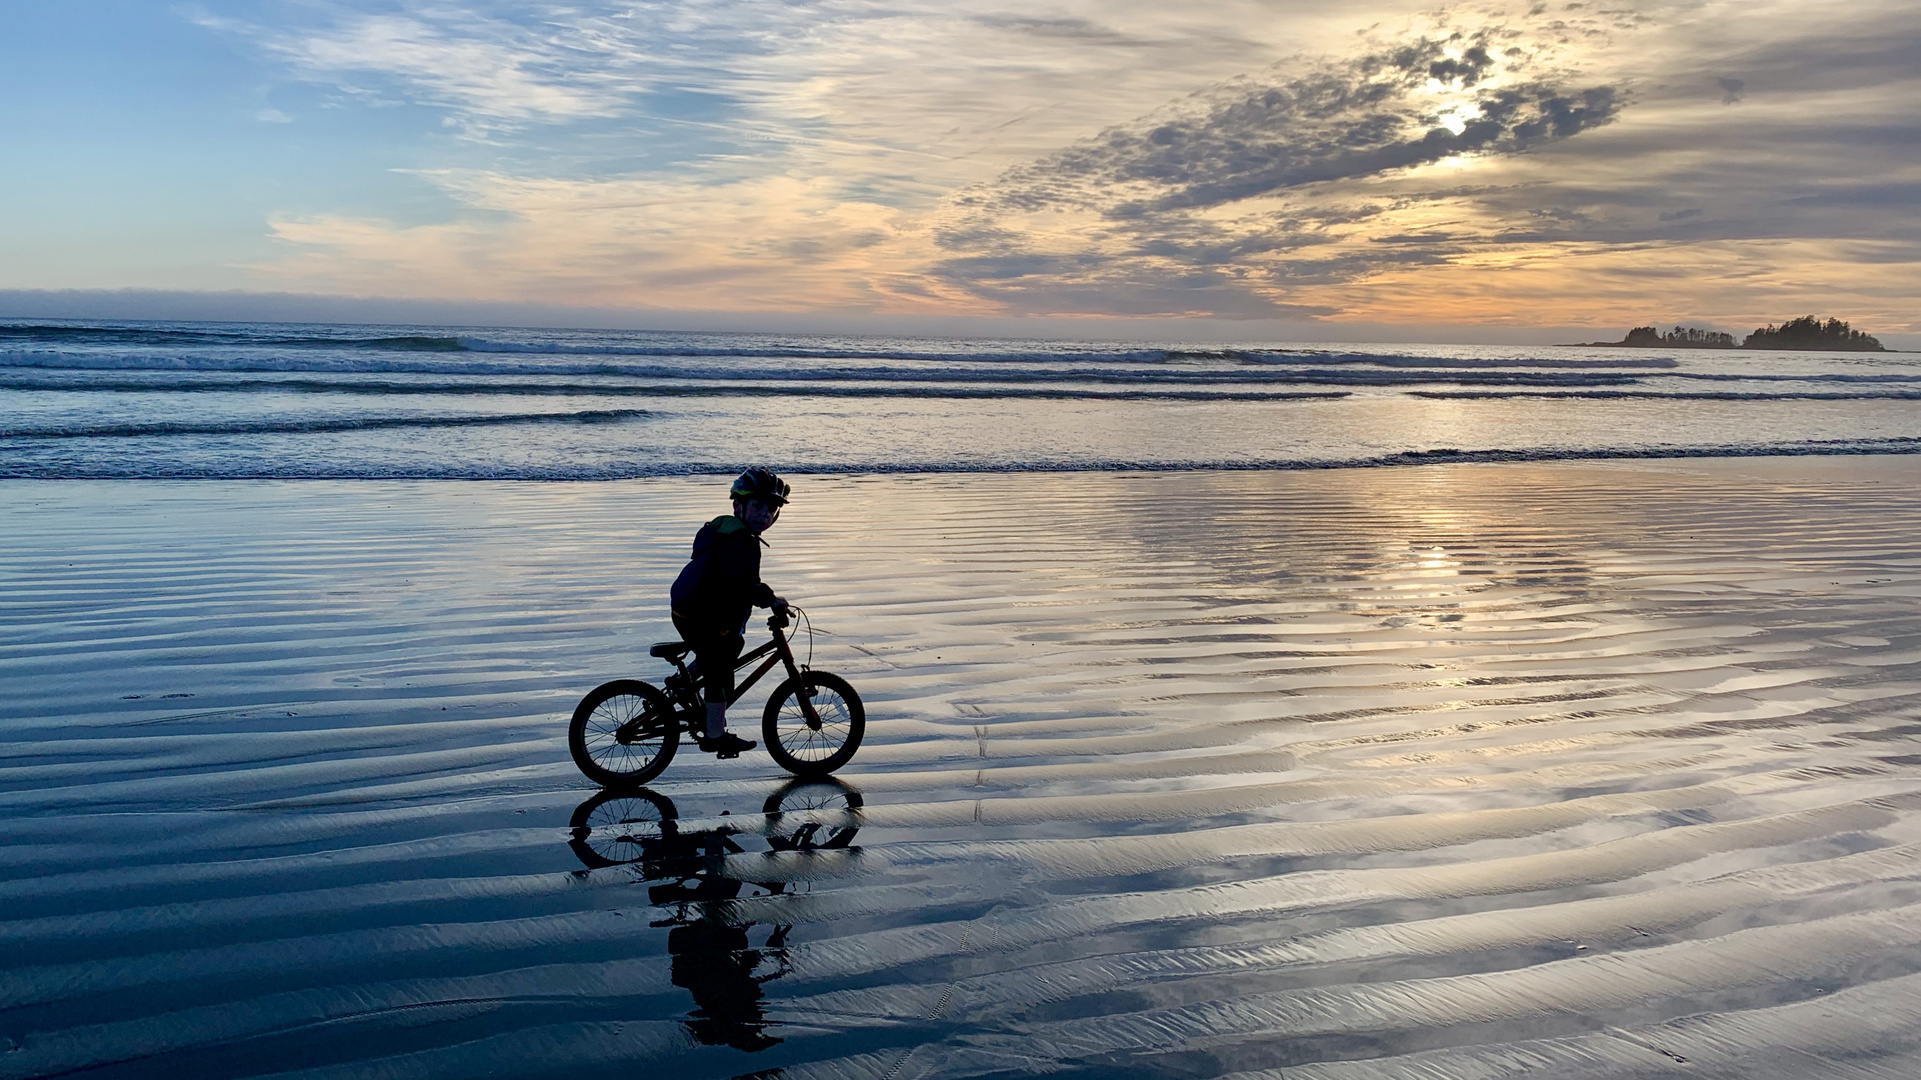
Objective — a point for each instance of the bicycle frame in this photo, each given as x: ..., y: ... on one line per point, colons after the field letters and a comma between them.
x: 781, y: 654
x: 741, y: 686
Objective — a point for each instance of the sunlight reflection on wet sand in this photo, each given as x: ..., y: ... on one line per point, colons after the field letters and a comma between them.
x: 1492, y: 770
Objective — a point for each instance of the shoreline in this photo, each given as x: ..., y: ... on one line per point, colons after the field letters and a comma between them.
x: 1894, y: 448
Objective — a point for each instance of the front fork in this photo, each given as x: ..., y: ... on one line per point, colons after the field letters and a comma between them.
x: 802, y: 692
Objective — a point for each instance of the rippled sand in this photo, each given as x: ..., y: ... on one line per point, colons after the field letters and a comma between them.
x: 1577, y: 770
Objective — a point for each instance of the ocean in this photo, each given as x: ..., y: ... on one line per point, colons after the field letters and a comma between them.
x: 237, y: 400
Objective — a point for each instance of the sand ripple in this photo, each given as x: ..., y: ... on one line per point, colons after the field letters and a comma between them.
x: 1452, y: 771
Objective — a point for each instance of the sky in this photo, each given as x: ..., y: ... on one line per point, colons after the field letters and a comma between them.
x: 1370, y: 168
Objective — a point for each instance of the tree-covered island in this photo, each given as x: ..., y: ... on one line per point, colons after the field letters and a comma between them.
x: 1806, y: 332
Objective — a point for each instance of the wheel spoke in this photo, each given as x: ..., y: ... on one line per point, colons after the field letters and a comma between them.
x: 803, y: 741
x: 602, y: 735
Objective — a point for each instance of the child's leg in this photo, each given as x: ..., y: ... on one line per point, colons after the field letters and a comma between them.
x: 717, y: 656
x: 715, y: 653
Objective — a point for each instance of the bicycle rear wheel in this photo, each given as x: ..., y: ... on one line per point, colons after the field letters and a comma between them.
x: 623, y: 733
x: 807, y: 748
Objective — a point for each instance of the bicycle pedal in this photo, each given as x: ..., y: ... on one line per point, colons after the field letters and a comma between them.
x: 726, y: 746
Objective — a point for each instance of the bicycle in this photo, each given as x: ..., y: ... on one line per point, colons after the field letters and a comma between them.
x: 624, y: 733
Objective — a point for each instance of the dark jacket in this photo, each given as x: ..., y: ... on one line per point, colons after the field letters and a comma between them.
x: 721, y: 584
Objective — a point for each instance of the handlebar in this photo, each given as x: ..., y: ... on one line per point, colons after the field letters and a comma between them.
x: 779, y: 620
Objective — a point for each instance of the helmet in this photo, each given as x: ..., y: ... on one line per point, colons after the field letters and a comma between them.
x: 758, y: 483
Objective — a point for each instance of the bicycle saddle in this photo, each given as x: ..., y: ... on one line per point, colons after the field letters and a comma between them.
x: 669, y: 650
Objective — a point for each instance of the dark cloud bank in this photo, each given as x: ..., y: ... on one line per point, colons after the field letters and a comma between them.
x: 1356, y: 119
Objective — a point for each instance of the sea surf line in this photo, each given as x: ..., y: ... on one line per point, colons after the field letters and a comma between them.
x: 196, y: 401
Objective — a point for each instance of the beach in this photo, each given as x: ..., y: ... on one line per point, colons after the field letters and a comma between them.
x: 1590, y: 768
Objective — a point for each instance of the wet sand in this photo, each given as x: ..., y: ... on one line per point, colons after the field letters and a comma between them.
x: 1574, y: 769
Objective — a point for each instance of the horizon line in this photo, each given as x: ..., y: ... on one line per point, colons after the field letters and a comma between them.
x: 138, y: 304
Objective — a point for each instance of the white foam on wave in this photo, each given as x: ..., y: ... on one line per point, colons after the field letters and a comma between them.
x: 261, y: 401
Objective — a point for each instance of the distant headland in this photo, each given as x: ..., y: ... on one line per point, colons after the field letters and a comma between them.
x: 1806, y: 332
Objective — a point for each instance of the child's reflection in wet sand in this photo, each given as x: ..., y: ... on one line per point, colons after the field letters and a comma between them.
x: 686, y: 871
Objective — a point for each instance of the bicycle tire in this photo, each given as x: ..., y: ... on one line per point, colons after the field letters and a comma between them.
x: 593, y: 741
x: 615, y: 827
x: 801, y: 749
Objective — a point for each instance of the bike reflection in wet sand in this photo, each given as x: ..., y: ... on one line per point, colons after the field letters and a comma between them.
x: 690, y: 872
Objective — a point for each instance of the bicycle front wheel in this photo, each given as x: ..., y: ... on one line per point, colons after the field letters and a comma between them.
x: 813, y: 747
x: 623, y: 733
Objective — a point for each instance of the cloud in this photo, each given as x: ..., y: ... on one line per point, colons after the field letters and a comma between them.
x: 1417, y: 102
x: 1262, y: 186
x: 1485, y: 149
x: 943, y: 93
x: 634, y: 243
x: 842, y: 122
x: 514, y: 78
x: 1244, y: 158
x: 484, y: 69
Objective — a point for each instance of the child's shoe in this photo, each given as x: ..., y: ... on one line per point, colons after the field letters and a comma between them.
x: 726, y: 745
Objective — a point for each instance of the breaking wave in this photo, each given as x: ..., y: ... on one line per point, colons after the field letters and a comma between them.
x: 242, y: 400
x: 138, y: 335
x: 315, y: 426
x: 273, y: 468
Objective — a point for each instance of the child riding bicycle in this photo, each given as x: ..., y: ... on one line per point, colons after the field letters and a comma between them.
x: 718, y: 590
x: 624, y: 732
